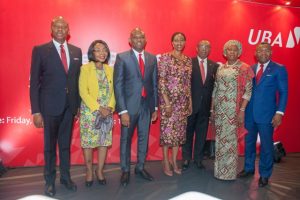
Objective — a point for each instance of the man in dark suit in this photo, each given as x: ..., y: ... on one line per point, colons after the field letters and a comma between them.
x: 203, y: 77
x: 54, y: 98
x: 135, y: 86
x: 264, y: 112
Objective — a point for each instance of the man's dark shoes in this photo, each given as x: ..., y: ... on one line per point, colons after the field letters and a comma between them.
x: 69, y: 184
x: 125, y: 179
x: 244, y: 174
x: 185, y: 165
x: 50, y: 190
x: 144, y: 174
x: 199, y: 165
x: 262, y: 182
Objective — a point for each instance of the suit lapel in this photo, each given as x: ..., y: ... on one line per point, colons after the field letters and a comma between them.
x: 147, y: 64
x: 209, y: 70
x: 135, y: 62
x: 55, y: 55
x: 267, y: 71
x: 71, y: 56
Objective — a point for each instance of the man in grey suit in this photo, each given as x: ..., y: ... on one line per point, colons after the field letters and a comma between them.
x: 135, y: 85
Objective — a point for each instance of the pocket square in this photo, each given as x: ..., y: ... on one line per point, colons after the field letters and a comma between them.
x: 76, y: 59
x: 269, y: 75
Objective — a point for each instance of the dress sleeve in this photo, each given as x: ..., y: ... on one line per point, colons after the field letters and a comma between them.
x: 248, y: 76
x: 162, y: 74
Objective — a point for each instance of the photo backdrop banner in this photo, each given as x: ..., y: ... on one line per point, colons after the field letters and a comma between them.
x: 27, y: 23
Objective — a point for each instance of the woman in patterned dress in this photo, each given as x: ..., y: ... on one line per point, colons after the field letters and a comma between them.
x: 232, y: 91
x: 96, y: 92
x: 174, y: 87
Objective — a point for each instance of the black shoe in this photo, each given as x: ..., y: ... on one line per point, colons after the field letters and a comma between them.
x: 89, y: 183
x: 100, y: 181
x: 50, y: 190
x: 124, y: 179
x: 262, y: 182
x: 244, y: 174
x: 144, y: 174
x: 199, y: 164
x: 69, y: 184
x: 185, y: 165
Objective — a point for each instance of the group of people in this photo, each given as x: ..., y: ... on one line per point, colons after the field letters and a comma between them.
x: 188, y: 93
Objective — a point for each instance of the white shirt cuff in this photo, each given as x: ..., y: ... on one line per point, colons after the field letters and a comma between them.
x: 122, y: 112
x: 279, y: 112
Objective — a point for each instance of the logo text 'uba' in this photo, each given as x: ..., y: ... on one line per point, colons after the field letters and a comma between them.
x: 274, y: 39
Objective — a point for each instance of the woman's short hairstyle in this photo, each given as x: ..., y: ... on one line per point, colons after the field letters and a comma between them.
x: 177, y: 33
x: 230, y: 43
x: 91, y: 49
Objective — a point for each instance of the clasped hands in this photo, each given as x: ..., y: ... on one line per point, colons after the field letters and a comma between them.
x: 105, y: 111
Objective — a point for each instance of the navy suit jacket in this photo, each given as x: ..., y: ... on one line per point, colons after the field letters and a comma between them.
x: 264, y: 102
x: 128, y: 82
x: 51, y: 89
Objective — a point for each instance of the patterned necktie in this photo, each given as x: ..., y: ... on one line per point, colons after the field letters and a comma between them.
x: 142, y: 69
x: 202, y: 71
x: 64, y: 57
x: 259, y: 73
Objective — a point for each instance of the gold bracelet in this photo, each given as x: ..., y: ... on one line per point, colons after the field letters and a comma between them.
x: 168, y: 106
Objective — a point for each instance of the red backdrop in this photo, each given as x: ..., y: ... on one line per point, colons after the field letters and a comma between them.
x: 27, y: 23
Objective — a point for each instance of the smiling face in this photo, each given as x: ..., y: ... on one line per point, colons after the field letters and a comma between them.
x: 232, y: 53
x: 203, y: 49
x: 178, y: 42
x: 59, y: 29
x: 137, y: 40
x: 263, y: 53
x: 100, y: 52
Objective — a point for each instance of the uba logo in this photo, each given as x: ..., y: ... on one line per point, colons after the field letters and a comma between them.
x: 256, y: 37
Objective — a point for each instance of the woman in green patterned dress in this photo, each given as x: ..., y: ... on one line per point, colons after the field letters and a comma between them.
x: 232, y: 91
x: 98, y: 102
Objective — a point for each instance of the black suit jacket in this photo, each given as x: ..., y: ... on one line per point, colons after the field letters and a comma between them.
x: 51, y: 89
x: 201, y: 93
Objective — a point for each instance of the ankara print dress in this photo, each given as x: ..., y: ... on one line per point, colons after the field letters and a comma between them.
x: 232, y: 85
x: 174, y: 80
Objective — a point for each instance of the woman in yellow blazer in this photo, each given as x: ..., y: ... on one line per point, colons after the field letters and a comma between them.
x: 97, y: 106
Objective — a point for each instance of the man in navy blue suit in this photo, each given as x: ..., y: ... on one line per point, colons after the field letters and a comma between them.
x: 264, y: 112
x: 54, y: 99
x: 135, y: 84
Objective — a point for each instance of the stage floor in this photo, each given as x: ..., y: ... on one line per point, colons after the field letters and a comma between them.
x: 284, y: 183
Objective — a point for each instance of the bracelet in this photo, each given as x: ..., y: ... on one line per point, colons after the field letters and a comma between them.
x: 168, y: 106
x: 242, y: 109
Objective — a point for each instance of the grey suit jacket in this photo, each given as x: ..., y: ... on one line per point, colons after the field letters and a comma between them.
x: 128, y: 82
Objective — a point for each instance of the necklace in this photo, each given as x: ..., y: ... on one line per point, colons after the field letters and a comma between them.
x: 232, y: 64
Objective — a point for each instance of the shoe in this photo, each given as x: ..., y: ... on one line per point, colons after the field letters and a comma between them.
x: 50, y: 190
x: 199, y: 164
x: 185, y: 165
x: 262, y: 182
x: 125, y: 179
x: 176, y: 169
x: 167, y: 170
x: 244, y: 174
x: 100, y: 181
x: 69, y: 184
x: 89, y: 183
x: 144, y: 174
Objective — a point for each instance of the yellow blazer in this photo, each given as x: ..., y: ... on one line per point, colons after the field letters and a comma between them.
x: 88, y: 86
